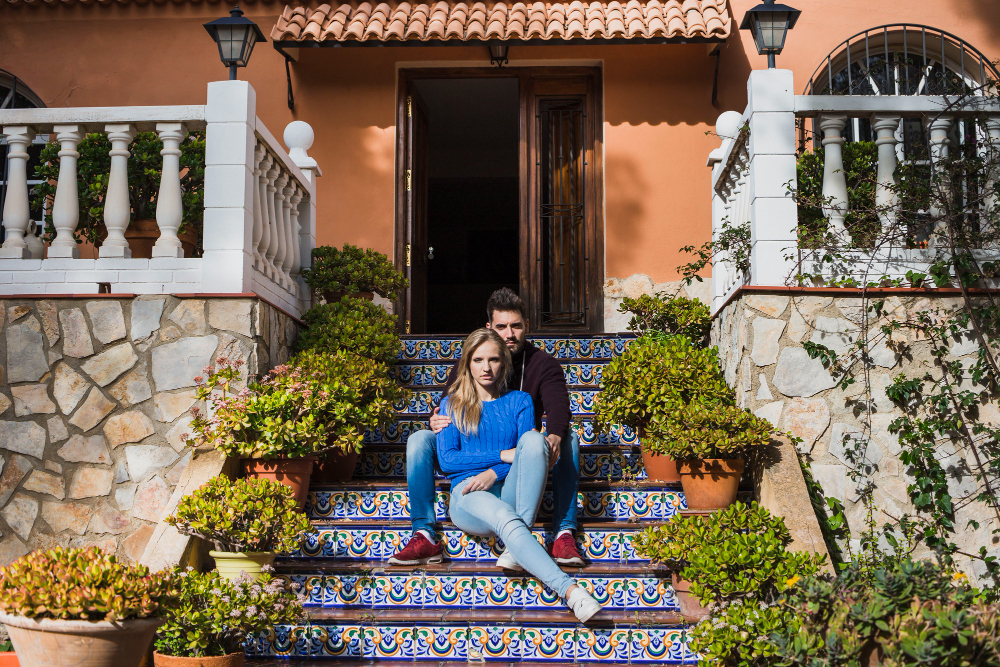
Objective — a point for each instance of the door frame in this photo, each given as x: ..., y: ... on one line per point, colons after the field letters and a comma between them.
x: 528, y: 272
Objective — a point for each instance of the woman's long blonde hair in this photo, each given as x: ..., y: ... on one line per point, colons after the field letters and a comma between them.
x: 464, y: 405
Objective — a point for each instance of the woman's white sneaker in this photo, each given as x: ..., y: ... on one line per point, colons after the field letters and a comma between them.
x: 582, y: 604
x: 507, y: 562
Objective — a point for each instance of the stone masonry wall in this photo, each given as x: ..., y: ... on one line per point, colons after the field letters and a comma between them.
x: 760, y: 349
x: 94, y: 400
x: 616, y: 289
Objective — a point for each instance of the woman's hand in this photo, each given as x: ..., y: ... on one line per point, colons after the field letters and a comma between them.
x: 507, y: 455
x: 481, y: 482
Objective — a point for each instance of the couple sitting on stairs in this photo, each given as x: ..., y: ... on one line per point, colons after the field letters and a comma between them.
x: 485, y: 436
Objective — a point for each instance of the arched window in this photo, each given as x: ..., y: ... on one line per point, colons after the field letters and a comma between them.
x: 14, y: 94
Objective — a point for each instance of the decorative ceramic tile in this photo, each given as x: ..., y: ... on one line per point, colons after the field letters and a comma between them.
x: 548, y: 643
x: 448, y: 591
x: 605, y: 644
x: 431, y: 349
x: 660, y: 645
x: 312, y: 641
x: 380, y: 464
x: 354, y: 543
x: 398, y: 432
x: 389, y: 642
x: 497, y: 592
x: 421, y: 375
x: 423, y: 401
x: 440, y: 642
x: 395, y: 433
x: 494, y: 642
x: 650, y: 593
x: 583, y: 373
x: 397, y: 590
x: 595, y: 347
x: 618, y: 435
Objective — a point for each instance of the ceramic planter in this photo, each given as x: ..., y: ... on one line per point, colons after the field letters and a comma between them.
x: 230, y: 564
x: 691, y: 608
x: 9, y: 659
x: 142, y: 236
x: 659, y: 467
x: 293, y: 473
x: 710, y: 484
x: 53, y: 643
x: 231, y: 660
x: 336, y: 466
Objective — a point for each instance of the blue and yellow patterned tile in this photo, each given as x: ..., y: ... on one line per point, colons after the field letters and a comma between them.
x: 430, y: 349
x: 602, y: 644
x: 548, y: 644
x: 397, y: 590
x: 421, y: 374
x: 584, y: 374
x: 389, y: 642
x: 494, y: 642
x: 448, y: 591
x: 423, y: 401
x: 497, y: 592
x: 395, y: 433
x: 649, y: 594
x: 583, y: 348
x: 536, y: 595
x: 354, y: 543
x: 660, y: 646
x: 309, y: 641
x: 398, y: 432
x: 441, y: 642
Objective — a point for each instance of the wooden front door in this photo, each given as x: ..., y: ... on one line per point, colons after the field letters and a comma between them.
x: 560, y: 199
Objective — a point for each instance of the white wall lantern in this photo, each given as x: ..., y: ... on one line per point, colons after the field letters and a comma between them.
x: 236, y: 37
x: 769, y: 24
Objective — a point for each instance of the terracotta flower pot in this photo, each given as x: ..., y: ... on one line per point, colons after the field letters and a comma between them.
x: 53, y: 643
x: 293, y: 473
x: 231, y: 660
x: 336, y: 466
x: 230, y: 564
x: 710, y: 484
x: 142, y: 236
x: 332, y: 297
x: 9, y: 659
x: 690, y: 606
x: 659, y: 467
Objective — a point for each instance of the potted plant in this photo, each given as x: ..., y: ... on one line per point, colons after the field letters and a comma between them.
x: 8, y: 658
x: 644, y: 386
x: 314, y: 404
x: 66, y: 607
x: 144, y: 166
x: 217, y: 616
x: 248, y: 522
x: 675, y: 315
x: 355, y: 325
x: 351, y: 270
x: 711, y: 443
x: 725, y: 557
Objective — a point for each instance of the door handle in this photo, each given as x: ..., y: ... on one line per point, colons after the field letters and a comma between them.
x: 430, y: 252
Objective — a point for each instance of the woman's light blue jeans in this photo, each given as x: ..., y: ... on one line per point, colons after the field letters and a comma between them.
x: 508, y: 509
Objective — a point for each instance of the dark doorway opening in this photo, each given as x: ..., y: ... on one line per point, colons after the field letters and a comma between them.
x: 472, y: 197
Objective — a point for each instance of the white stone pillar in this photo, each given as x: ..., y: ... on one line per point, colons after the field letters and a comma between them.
x: 169, y: 205
x: 772, y: 164
x: 16, y: 209
x: 886, y: 198
x: 834, y: 178
x: 117, y: 207
x: 230, y: 137
x: 66, y: 205
x: 938, y: 129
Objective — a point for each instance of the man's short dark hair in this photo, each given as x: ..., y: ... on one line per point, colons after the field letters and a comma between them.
x: 507, y: 301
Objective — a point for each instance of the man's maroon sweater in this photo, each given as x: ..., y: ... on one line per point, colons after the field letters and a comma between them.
x: 543, y: 379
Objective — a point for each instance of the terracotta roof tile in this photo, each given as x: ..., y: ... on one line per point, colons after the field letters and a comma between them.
x: 442, y: 20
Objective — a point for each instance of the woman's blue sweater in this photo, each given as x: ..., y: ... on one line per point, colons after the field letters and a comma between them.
x: 502, y: 423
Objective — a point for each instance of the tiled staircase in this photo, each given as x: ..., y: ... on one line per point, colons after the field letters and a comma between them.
x: 466, y: 609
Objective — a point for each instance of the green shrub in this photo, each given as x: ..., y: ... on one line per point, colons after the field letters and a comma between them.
x: 652, y: 380
x: 733, y: 554
x: 245, y: 515
x: 217, y: 616
x: 907, y: 614
x: 860, y: 171
x: 353, y: 269
x: 315, y: 403
x: 83, y: 584
x: 351, y: 324
x: 670, y: 315
x: 739, y: 634
x: 699, y: 431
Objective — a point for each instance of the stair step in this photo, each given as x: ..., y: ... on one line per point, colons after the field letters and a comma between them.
x: 416, y: 635
x: 606, y: 542
x: 605, y: 463
x: 320, y: 565
x: 434, y: 348
x: 283, y: 662
x: 407, y: 424
x: 392, y: 502
x: 579, y: 374
x: 423, y: 401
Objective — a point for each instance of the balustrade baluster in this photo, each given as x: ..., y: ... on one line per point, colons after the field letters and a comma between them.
x: 16, y: 210
x: 992, y: 203
x: 258, y: 217
x: 117, y: 209
x: 66, y: 205
x: 266, y: 212
x: 296, y: 230
x: 940, y: 189
x: 834, y: 179
x: 886, y: 199
x: 169, y: 205
x: 290, y: 236
x: 281, y: 220
x: 273, y: 209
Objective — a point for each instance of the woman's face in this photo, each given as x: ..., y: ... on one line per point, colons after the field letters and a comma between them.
x: 485, y: 364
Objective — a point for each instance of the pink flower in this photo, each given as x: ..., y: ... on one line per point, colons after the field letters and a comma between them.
x: 199, y: 379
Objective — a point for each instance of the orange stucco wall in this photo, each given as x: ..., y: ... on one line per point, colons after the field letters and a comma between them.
x: 657, y: 100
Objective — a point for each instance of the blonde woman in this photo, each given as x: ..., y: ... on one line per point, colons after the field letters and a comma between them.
x: 498, y: 464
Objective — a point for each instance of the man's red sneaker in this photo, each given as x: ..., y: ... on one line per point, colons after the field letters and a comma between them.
x: 564, y: 551
x: 418, y: 551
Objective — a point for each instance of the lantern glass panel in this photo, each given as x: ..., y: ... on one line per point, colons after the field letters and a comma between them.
x: 772, y: 31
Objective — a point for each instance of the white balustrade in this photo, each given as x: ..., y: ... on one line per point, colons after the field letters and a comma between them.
x: 169, y: 205
x: 834, y: 178
x: 992, y: 201
x: 16, y: 210
x: 255, y: 236
x: 885, y: 184
x: 66, y: 205
x: 938, y: 128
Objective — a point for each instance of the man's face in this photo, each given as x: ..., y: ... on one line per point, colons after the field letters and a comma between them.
x: 511, y: 327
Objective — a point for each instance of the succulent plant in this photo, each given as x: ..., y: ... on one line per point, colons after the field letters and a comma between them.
x: 350, y: 324
x: 667, y: 314
x: 216, y: 616
x: 83, y: 584
x: 245, y: 515
x: 699, y: 431
x: 353, y: 269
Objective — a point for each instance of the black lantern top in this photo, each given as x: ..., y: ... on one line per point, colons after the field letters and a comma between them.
x: 236, y: 37
x: 769, y: 23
